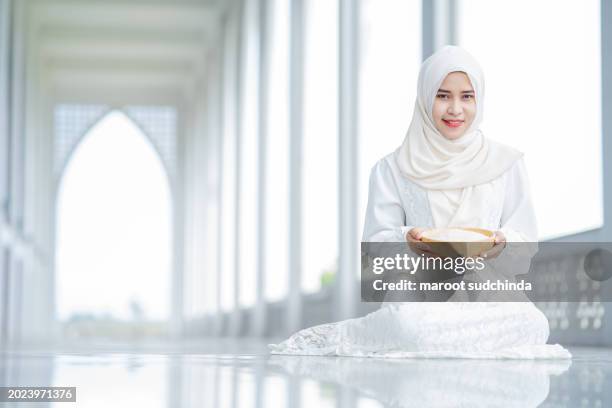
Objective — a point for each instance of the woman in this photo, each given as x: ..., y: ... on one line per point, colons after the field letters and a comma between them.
x: 446, y: 173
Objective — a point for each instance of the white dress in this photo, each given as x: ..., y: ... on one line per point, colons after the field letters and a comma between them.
x: 437, y: 329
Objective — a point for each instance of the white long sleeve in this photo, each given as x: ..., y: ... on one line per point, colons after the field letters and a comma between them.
x: 518, y: 220
x: 385, y: 219
x: 519, y: 225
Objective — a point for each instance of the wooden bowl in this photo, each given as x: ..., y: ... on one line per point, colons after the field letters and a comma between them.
x: 463, y: 249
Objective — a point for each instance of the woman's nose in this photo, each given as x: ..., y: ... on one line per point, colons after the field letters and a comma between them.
x: 455, y: 107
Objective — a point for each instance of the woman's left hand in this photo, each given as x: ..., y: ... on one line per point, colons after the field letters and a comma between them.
x: 498, y: 247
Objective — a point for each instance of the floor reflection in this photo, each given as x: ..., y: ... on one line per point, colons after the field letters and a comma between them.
x: 435, y: 383
x: 203, y: 377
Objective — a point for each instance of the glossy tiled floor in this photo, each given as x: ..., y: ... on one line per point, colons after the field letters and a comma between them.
x: 241, y: 374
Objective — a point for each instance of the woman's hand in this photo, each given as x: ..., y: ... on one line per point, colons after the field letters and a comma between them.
x: 413, y: 237
x: 498, y: 247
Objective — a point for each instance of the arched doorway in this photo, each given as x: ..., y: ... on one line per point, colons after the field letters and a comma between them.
x: 113, y: 235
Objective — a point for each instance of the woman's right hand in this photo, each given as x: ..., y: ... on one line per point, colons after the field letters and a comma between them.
x: 415, y: 234
x: 413, y: 237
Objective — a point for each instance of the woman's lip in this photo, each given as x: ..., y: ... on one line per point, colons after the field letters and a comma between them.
x: 453, y: 123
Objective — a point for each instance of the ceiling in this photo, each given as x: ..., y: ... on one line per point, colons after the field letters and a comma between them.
x: 112, y: 46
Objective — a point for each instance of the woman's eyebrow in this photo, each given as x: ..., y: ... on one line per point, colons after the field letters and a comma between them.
x: 463, y: 92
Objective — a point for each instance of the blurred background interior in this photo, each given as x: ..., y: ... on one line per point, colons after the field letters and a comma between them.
x: 198, y: 169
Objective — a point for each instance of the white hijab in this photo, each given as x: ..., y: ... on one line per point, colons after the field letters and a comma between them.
x: 454, y: 172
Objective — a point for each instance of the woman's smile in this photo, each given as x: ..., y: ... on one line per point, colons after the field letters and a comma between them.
x: 453, y: 123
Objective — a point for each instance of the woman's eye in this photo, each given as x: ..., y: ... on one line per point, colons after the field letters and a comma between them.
x: 445, y: 96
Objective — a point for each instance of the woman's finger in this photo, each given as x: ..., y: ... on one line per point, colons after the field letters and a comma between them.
x: 499, y: 237
x: 415, y: 233
x: 494, y: 251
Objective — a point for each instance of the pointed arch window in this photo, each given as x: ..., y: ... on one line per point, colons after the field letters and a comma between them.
x: 114, y: 228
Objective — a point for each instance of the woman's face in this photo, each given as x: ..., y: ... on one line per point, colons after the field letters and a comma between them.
x: 454, y: 106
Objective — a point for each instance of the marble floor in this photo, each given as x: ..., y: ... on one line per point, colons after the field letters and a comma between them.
x: 231, y: 373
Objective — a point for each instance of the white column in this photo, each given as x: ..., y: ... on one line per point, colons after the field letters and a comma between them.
x: 439, y: 25
x: 427, y: 18
x: 296, y: 97
x: 5, y: 62
x: 258, y: 323
x: 228, y: 166
x: 45, y: 218
x: 211, y: 153
x: 606, y: 83
x: 444, y: 28
x: 178, y: 210
x: 217, y: 151
x: 346, y: 296
x: 17, y: 130
x: 236, y: 316
x: 191, y: 122
x: 5, y: 31
x: 38, y: 209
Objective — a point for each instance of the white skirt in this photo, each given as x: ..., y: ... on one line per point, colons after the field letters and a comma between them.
x: 496, y: 330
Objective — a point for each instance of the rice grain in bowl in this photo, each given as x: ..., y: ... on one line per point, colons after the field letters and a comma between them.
x: 459, y: 241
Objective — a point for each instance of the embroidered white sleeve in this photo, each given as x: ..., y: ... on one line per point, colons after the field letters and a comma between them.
x: 385, y: 220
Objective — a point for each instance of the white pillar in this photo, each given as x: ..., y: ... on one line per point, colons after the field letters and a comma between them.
x: 38, y: 205
x: 296, y: 94
x: 346, y: 296
x: 178, y: 210
x: 5, y: 30
x: 216, y: 151
x: 444, y: 27
x: 236, y: 316
x: 439, y: 25
x: 211, y: 152
x: 606, y: 83
x: 228, y: 165
x: 16, y: 171
x: 258, y: 324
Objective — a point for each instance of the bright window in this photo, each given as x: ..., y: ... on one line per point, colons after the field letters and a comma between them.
x: 114, y: 227
x: 543, y: 73
x: 320, y: 145
x: 390, y: 58
x: 277, y: 155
